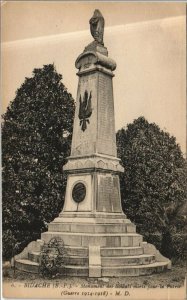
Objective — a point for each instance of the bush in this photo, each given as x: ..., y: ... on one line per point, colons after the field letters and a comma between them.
x: 9, y: 242
x: 154, y: 184
x: 179, y: 241
x: 14, y: 243
x: 175, y: 248
x: 153, y: 238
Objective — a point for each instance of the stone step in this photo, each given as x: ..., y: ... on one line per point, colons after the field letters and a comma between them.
x: 110, y: 271
x: 79, y: 271
x: 116, y: 271
x: 106, y: 260
x: 89, y: 217
x: 117, y: 261
x: 71, y: 251
x: 32, y: 267
x: 76, y: 261
x: 77, y: 251
x: 92, y: 228
x: 68, y: 259
x: 128, y: 260
x: 121, y: 251
x: 96, y: 239
x: 27, y: 265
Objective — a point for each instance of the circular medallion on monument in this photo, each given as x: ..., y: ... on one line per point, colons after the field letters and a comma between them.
x: 79, y: 192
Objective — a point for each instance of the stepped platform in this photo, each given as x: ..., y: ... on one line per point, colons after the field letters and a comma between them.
x: 101, y: 247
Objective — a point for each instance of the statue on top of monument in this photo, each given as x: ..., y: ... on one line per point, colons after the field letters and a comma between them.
x: 97, y: 23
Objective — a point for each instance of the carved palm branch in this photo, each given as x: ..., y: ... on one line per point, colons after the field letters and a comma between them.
x: 88, y: 111
x: 85, y: 110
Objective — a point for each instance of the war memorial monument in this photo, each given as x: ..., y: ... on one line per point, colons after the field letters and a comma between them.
x: 100, y: 240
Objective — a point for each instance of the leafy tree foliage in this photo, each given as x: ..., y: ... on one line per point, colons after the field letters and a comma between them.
x: 153, y: 186
x: 36, y: 137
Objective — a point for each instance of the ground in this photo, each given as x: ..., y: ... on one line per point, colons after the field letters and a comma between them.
x: 170, y: 278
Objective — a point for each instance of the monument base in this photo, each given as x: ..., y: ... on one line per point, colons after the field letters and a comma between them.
x: 97, y: 245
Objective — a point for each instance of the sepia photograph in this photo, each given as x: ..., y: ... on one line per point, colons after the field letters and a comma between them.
x: 93, y: 148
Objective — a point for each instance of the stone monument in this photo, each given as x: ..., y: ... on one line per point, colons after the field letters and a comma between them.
x: 100, y: 240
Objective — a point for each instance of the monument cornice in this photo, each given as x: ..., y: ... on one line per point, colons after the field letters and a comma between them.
x: 92, y: 69
x: 91, y: 170
x: 93, y: 156
x: 93, y: 163
x: 92, y: 58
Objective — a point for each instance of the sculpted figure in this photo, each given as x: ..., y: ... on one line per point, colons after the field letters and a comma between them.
x: 97, y: 23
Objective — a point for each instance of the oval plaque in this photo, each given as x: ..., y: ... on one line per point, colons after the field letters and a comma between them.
x: 79, y: 192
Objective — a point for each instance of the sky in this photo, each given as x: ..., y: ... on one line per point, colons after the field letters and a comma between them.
x: 147, y: 41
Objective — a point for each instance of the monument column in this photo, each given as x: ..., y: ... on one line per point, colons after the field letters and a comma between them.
x: 93, y: 183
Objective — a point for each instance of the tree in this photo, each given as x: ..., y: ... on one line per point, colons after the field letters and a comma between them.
x: 36, y: 137
x: 153, y: 186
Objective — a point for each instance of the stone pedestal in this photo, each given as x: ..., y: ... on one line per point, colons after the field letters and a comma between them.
x: 100, y: 240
